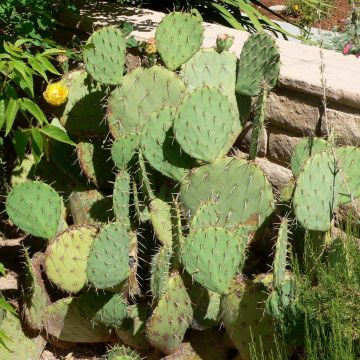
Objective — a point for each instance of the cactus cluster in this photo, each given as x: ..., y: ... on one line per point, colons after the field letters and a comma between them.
x: 150, y: 238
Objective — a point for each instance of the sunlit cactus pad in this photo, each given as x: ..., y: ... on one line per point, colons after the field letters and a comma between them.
x: 67, y: 256
x: 104, y: 55
x: 178, y: 37
x: 35, y: 208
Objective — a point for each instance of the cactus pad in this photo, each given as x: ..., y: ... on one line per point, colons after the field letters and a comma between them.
x: 203, y: 123
x: 142, y: 91
x: 161, y: 150
x: 160, y: 270
x: 132, y: 330
x: 20, y: 346
x: 121, y: 198
x: 122, y: 353
x: 239, y: 189
x: 90, y: 206
x: 212, y: 257
x: 178, y: 37
x: 304, y: 149
x: 64, y: 321
x: 316, y: 192
x: 103, y: 308
x: 171, y: 318
x: 104, y: 55
x: 259, y: 64
x: 35, y: 208
x: 66, y: 257
x: 244, y: 319
x: 123, y: 150
x: 206, y: 216
x: 280, y: 262
x: 35, y: 296
x: 160, y: 217
x: 108, y: 262
x: 95, y: 162
x: 83, y: 114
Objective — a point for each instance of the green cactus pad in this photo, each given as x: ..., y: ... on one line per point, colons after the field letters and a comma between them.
x: 90, y: 206
x: 280, y: 262
x: 160, y: 270
x: 206, y: 306
x: 161, y: 150
x: 35, y: 207
x: 35, y: 296
x: 244, y: 319
x: 142, y: 91
x: 20, y: 346
x: 209, y: 68
x: 304, y: 149
x: 64, y: 321
x: 171, y: 318
x: 160, y: 217
x: 83, y: 114
x: 121, y: 198
x: 212, y: 257
x: 259, y: 64
x: 104, y: 55
x: 141, y: 210
x: 316, y: 192
x: 145, y: 179
x: 122, y: 353
x: 203, y: 123
x: 95, y: 162
x: 178, y: 37
x: 123, y: 150
x: 206, y: 216
x: 240, y: 190
x: 103, y: 308
x: 66, y: 257
x: 348, y: 158
x: 108, y: 262
x: 132, y: 330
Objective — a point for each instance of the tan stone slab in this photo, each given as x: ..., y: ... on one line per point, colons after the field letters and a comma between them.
x: 300, y: 64
x: 280, y: 146
x: 289, y: 110
x: 345, y: 124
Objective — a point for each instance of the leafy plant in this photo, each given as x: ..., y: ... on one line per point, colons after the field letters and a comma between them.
x: 18, y: 68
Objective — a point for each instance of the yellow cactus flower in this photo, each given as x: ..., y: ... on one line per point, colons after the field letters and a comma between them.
x: 56, y: 93
x: 150, y: 47
x: 296, y: 8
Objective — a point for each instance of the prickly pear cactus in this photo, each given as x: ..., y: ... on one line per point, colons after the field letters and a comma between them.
x: 35, y: 296
x: 316, y: 192
x: 259, y: 63
x: 83, y: 114
x: 35, y: 208
x: 304, y: 149
x: 244, y: 318
x: 239, y: 189
x: 160, y: 217
x: 103, y: 62
x: 178, y: 37
x: 212, y: 256
x: 67, y: 257
x: 159, y: 148
x: 64, y: 321
x: 203, y: 123
x: 123, y: 150
x: 132, y: 330
x: 122, y: 353
x: 142, y: 91
x: 171, y: 318
x: 280, y: 262
x: 121, y: 198
x: 108, y: 260
x: 103, y: 308
x: 20, y: 346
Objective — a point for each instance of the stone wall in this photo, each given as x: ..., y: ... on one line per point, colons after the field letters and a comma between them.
x: 294, y: 110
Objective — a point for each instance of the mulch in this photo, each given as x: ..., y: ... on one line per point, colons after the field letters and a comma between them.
x: 337, y: 18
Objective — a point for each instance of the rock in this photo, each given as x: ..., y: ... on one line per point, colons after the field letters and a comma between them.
x: 280, y: 146
x: 278, y: 8
x: 298, y: 113
x: 346, y: 125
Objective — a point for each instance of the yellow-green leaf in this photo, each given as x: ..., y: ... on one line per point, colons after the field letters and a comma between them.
x: 56, y: 133
x: 11, y: 111
x: 34, y: 110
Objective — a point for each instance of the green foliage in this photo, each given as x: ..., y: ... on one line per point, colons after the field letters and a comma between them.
x: 29, y: 18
